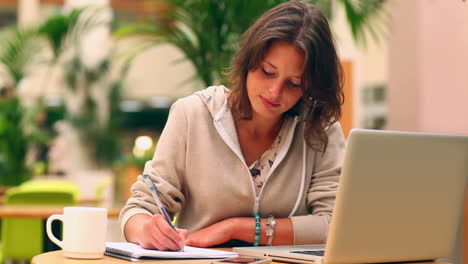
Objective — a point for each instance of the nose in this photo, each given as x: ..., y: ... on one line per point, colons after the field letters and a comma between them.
x: 276, y: 89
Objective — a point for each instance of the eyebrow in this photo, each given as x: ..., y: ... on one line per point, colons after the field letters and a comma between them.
x: 272, y: 65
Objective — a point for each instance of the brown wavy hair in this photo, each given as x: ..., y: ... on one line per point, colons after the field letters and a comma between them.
x: 303, y: 25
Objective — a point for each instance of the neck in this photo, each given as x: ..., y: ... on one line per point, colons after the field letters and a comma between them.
x: 258, y: 127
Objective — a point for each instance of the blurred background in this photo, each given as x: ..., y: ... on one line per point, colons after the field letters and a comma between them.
x: 86, y: 85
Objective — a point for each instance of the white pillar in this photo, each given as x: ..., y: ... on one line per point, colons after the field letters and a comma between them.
x: 96, y: 43
x: 428, y: 71
x: 428, y: 66
x: 28, y: 12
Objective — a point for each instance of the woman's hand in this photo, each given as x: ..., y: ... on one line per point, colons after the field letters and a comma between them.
x: 154, y: 233
x: 215, y: 234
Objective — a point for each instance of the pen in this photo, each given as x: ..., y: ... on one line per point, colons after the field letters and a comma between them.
x: 155, y: 192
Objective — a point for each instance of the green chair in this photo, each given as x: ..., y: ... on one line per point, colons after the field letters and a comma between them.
x: 100, y: 187
x: 24, y: 238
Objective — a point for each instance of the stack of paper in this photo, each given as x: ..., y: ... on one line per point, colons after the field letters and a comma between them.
x: 131, y: 251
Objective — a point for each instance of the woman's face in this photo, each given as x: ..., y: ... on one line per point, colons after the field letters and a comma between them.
x: 276, y: 85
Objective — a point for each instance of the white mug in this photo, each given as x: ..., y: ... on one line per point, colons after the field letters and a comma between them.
x: 84, y: 232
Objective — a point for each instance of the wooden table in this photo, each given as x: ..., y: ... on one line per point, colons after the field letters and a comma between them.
x: 40, y: 211
x: 56, y: 257
x: 81, y: 201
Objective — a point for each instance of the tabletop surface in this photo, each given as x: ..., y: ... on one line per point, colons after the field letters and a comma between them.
x: 56, y: 257
x: 81, y: 201
x: 40, y: 211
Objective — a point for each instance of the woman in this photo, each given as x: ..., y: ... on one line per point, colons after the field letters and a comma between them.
x: 259, y: 163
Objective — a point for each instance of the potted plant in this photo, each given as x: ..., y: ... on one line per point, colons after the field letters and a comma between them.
x: 18, y: 129
x: 91, y: 93
x: 128, y: 171
x: 207, y: 32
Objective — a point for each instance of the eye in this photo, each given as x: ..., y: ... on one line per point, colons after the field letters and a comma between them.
x: 267, y: 73
x: 294, y: 85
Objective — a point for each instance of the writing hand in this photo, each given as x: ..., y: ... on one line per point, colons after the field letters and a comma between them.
x: 156, y: 233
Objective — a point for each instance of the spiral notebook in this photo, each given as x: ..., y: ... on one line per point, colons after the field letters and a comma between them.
x: 134, y: 252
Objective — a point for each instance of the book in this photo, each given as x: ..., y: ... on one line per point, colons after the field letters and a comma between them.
x: 134, y: 252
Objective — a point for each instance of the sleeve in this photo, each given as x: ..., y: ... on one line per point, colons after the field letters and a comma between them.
x: 313, y: 228
x: 167, y: 169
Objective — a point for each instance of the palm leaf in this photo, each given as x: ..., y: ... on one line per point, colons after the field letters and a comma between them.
x: 361, y: 17
x: 63, y: 30
x: 13, y: 146
x: 57, y: 28
x: 19, y: 52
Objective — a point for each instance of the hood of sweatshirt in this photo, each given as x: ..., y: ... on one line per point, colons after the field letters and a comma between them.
x: 214, y: 98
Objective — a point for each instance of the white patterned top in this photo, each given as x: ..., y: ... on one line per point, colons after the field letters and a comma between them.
x: 260, y: 169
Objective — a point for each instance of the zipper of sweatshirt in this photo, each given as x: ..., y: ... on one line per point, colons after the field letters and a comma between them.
x: 257, y: 204
x: 278, y: 160
x: 281, y: 154
x: 257, y: 197
x: 254, y: 191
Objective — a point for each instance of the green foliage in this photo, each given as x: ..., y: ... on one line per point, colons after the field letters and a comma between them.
x: 56, y: 29
x: 64, y: 33
x: 362, y: 18
x: 13, y: 146
x: 207, y: 31
x: 18, y: 52
x: 19, y: 129
x: 64, y: 30
x: 101, y: 137
x: 21, y: 49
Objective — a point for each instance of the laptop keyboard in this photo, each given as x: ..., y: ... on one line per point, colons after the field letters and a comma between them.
x: 319, y: 253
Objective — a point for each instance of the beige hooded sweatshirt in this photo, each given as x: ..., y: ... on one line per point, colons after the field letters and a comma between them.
x: 202, y: 176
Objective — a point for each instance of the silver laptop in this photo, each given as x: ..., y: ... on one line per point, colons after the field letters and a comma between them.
x: 400, y: 198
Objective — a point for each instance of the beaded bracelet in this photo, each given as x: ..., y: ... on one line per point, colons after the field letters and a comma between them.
x: 271, y: 224
x: 257, y: 230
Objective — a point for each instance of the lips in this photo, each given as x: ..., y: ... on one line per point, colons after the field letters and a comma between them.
x: 268, y: 102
